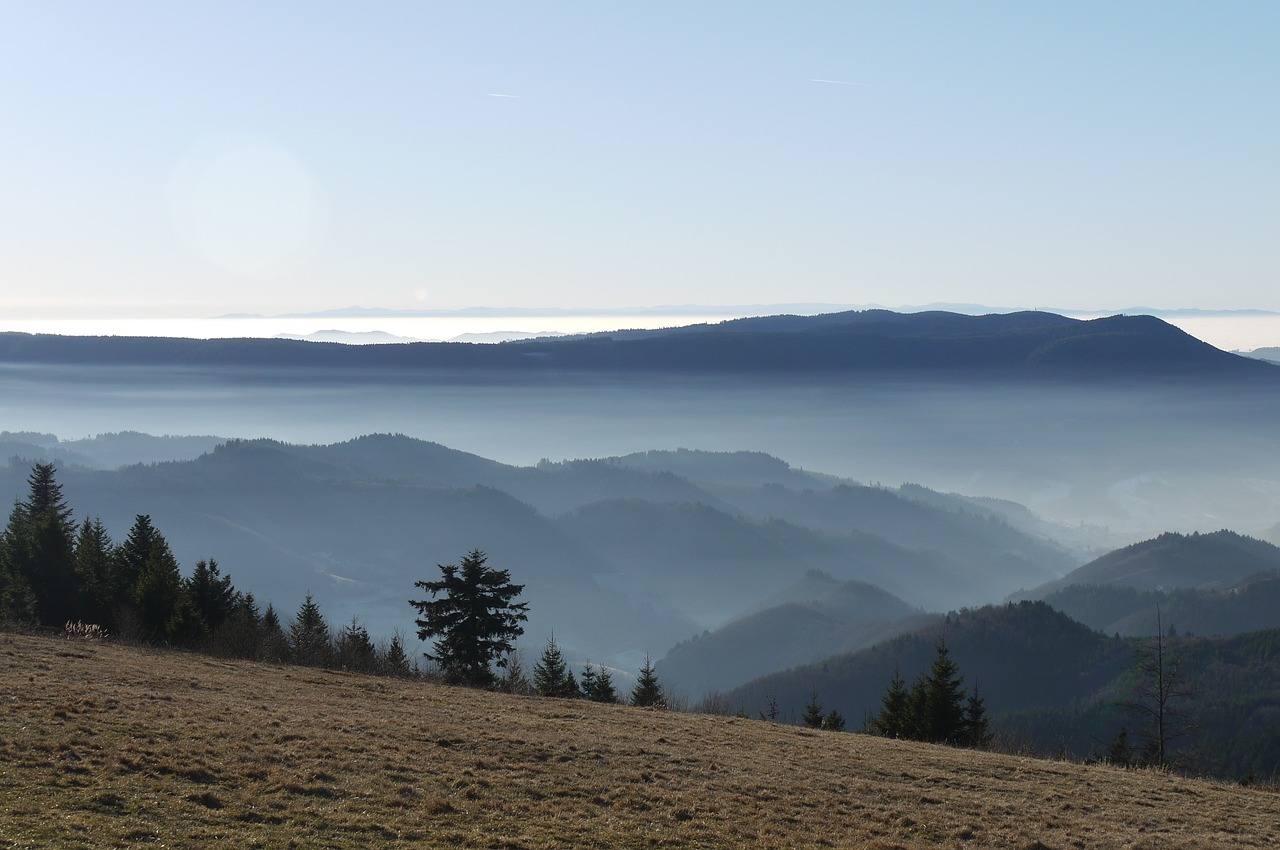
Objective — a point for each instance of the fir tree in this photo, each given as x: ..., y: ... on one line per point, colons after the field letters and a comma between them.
x: 275, y: 643
x: 39, y: 545
x: 309, y: 640
x: 395, y: 661
x: 551, y: 675
x: 944, y: 697
x: 977, y: 732
x: 597, y: 684
x: 148, y: 581
x: 647, y: 691
x: 473, y: 618
x: 833, y: 721
x: 894, y: 720
x: 813, y: 711
x: 93, y: 555
x: 354, y: 650
x: 211, y: 595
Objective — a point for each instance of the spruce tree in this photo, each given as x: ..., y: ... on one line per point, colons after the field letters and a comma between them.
x: 551, y: 675
x: 39, y: 545
x: 597, y: 684
x: 648, y: 691
x: 944, y: 698
x: 147, y: 583
x: 355, y: 650
x: 813, y: 711
x: 93, y: 556
x: 473, y: 617
x: 977, y: 732
x: 833, y: 721
x: 309, y: 639
x: 395, y: 661
x: 894, y: 720
x: 275, y: 643
x: 211, y: 595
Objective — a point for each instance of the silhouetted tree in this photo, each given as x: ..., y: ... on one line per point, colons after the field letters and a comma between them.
x: 647, y: 690
x: 39, y: 565
x: 813, y: 712
x: 833, y: 721
x: 354, y: 649
x: 551, y: 675
x: 395, y: 661
x: 944, y: 698
x: 597, y: 684
x: 211, y: 596
x: 473, y: 618
x: 93, y: 556
x: 148, y: 582
x: 977, y: 731
x: 309, y: 639
x: 894, y: 720
x: 1159, y: 696
x: 275, y: 643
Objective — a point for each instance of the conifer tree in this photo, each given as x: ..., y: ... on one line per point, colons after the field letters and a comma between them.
x: 977, y: 732
x: 275, y: 643
x: 39, y: 545
x: 309, y: 640
x: 148, y: 582
x: 395, y: 661
x: 354, y: 649
x: 833, y: 721
x: 943, y: 718
x: 813, y: 711
x: 551, y: 675
x: 894, y: 720
x: 648, y: 691
x: 597, y: 684
x: 93, y: 556
x: 473, y: 617
x: 211, y: 595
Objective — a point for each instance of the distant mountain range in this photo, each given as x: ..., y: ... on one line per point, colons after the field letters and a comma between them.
x: 621, y: 556
x: 853, y: 343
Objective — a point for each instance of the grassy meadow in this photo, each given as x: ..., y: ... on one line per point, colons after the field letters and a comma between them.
x: 104, y: 745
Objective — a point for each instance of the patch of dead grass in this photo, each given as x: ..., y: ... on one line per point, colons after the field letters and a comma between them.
x: 111, y: 746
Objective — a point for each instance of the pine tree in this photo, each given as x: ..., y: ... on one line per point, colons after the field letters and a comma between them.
x: 944, y: 696
x: 551, y: 675
x: 355, y: 651
x: 894, y: 720
x: 977, y: 732
x: 211, y: 595
x: 597, y: 684
x: 813, y: 711
x: 93, y: 556
x: 147, y: 584
x: 395, y: 661
x: 473, y: 617
x: 39, y: 545
x: 833, y: 721
x: 309, y: 640
x: 275, y: 643
x: 647, y: 691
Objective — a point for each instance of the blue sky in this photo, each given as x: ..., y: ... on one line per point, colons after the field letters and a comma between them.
x: 200, y: 158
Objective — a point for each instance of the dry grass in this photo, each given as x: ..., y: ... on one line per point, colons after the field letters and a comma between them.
x: 110, y: 746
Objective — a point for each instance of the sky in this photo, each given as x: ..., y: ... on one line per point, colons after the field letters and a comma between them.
x: 200, y: 158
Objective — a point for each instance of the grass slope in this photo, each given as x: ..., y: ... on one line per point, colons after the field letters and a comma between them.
x: 110, y: 746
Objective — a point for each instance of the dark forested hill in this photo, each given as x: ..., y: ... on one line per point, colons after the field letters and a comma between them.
x: 852, y: 342
x: 1173, y: 560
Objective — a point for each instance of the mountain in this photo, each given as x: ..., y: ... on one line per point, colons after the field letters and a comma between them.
x: 854, y: 342
x: 1023, y: 656
x: 1054, y: 685
x: 1173, y: 560
x: 812, y: 619
x: 1250, y: 605
x: 618, y: 560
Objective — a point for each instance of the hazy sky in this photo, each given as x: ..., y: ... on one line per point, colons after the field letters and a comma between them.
x: 189, y: 158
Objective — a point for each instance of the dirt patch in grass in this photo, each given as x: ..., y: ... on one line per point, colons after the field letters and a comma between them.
x: 113, y: 746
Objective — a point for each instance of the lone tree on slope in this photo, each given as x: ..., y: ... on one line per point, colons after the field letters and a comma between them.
x: 473, y: 618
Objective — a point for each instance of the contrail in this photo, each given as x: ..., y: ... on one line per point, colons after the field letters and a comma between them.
x: 514, y: 96
x: 837, y: 82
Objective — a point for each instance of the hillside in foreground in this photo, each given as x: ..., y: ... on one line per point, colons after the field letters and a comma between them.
x: 109, y: 746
